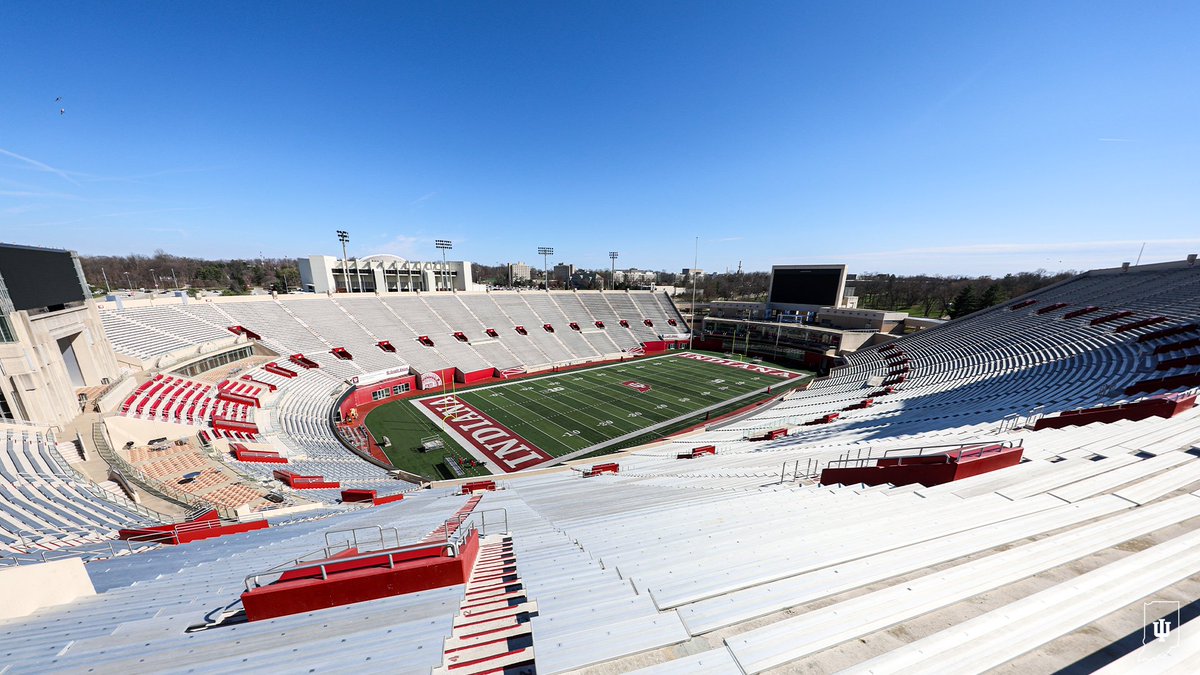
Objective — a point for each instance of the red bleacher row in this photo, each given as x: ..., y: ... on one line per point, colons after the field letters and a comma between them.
x: 172, y: 399
x: 207, y: 436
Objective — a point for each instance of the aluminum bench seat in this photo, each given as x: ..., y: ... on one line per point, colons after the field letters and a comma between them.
x: 998, y: 636
x: 791, y: 639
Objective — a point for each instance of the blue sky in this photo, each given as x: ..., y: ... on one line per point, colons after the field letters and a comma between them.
x: 939, y: 137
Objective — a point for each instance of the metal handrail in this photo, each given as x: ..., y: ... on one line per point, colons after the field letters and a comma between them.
x: 64, y: 532
x: 460, y: 518
x: 29, y: 555
x: 105, y: 495
x: 153, y: 486
x: 464, y: 525
x: 323, y: 565
x: 1009, y: 422
x: 921, y: 451
x: 355, y: 540
x: 148, y: 534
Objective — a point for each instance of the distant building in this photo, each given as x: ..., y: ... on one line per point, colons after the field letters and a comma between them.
x: 688, y: 272
x: 811, y: 309
x: 635, y: 277
x: 587, y: 280
x: 383, y: 273
x: 518, y: 271
x: 561, y: 274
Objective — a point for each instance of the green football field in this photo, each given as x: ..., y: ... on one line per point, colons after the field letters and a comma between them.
x: 572, y: 412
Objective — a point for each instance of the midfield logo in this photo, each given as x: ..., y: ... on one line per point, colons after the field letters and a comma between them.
x: 637, y: 386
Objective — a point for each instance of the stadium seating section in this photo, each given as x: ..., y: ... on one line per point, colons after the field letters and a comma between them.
x: 736, y: 560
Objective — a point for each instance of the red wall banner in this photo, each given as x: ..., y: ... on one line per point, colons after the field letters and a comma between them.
x: 436, y: 378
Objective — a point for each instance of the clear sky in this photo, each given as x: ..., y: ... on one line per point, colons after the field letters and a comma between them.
x: 941, y: 137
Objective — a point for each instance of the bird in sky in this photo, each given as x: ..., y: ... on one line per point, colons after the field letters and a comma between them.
x: 62, y: 111
x: 58, y: 99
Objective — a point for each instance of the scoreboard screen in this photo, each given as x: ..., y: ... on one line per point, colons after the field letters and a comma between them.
x: 807, y: 285
x: 39, y: 277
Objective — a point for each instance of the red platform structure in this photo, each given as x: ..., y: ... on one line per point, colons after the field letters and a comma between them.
x: 242, y: 330
x: 1050, y: 308
x: 207, y: 525
x: 267, y: 385
x: 298, y: 482
x: 598, y: 469
x: 276, y: 369
x: 773, y: 434
x: 345, y: 574
x: 927, y: 469
x: 478, y: 486
x: 1166, y: 406
x: 823, y: 419
x: 698, y: 452
x: 360, y: 496
x: 303, y: 361
x: 243, y: 454
x: 348, y: 577
x: 1110, y: 317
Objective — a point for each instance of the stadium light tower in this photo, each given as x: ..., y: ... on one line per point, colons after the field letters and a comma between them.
x: 128, y: 283
x: 154, y: 277
x: 612, y: 275
x: 695, y: 264
x: 545, y: 252
x: 344, y: 236
x: 444, y: 245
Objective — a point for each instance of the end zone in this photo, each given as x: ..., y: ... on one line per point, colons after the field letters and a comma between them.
x: 489, y: 441
x: 741, y: 365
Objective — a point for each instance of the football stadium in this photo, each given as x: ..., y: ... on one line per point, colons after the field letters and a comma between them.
x: 1012, y: 487
x: 595, y: 338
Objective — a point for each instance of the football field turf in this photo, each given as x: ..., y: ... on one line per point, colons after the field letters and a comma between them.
x: 571, y: 412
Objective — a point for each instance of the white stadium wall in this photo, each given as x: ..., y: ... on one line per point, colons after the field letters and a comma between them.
x: 37, y: 380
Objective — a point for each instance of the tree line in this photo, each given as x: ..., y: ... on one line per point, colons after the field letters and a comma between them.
x: 947, y: 296
x: 922, y: 295
x: 164, y: 270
